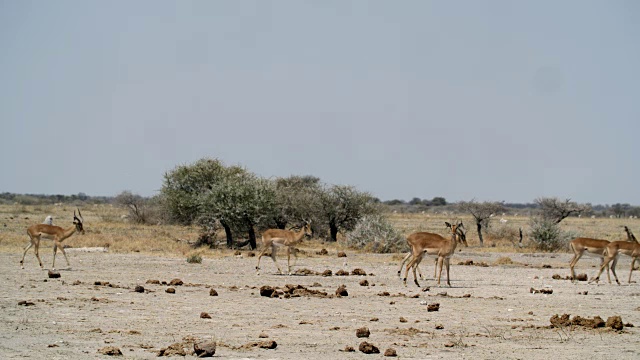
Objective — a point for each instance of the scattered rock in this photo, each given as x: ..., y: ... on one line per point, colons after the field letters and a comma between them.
x: 342, y: 273
x: 615, y: 322
x: 374, y: 319
x: 384, y: 293
x: 157, y: 282
x: 466, y: 295
x: 363, y: 332
x: 139, y: 288
x: 582, y: 277
x: 327, y: 273
x: 368, y: 348
x: 316, y: 284
x: 237, y: 252
x: 205, y: 348
x: 433, y: 307
x: 251, y: 254
x: 213, y: 292
x: 305, y: 272
x: 101, y: 283
x: 110, y: 350
x: 359, y: 272
x: 205, y: 315
x: 596, y: 322
x: 541, y: 291
x: 348, y: 349
x: 390, y: 352
x: 439, y: 326
x: 403, y: 320
x: 266, y: 291
x: 170, y: 290
x: 560, y: 321
x: 583, y: 292
x: 263, y: 336
x: 269, y: 344
x: 25, y: 303
x: 342, y: 254
x: 342, y: 291
x: 546, y: 266
x: 364, y: 282
x: 77, y: 282
x: 449, y: 345
x: 425, y: 289
x: 175, y: 282
x: 54, y: 274
x: 173, y: 349
x: 322, y: 252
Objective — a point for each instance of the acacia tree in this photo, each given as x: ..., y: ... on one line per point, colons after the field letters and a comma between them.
x: 342, y: 207
x: 481, y: 213
x: 183, y: 185
x: 297, y: 200
x: 241, y: 203
x: 136, y: 205
x: 556, y: 210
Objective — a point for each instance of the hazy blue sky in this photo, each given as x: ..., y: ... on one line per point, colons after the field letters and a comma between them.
x: 492, y: 100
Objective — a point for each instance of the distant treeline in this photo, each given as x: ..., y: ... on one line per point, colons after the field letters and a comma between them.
x: 415, y: 205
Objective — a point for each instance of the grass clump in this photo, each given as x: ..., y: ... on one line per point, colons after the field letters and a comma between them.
x: 194, y: 259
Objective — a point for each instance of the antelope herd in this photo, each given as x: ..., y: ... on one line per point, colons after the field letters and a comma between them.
x: 420, y: 244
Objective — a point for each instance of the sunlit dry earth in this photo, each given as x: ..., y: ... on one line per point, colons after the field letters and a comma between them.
x: 73, y: 318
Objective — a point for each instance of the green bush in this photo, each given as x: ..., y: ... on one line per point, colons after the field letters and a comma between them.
x: 374, y: 233
x: 546, y: 235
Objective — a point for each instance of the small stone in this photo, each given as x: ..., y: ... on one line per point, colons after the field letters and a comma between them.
x: 110, y: 350
x: 364, y: 282
x: 269, y: 344
x: 390, y: 352
x: 368, y: 348
x: 53, y: 274
x: 175, y: 282
x: 205, y: 348
x: 170, y: 290
x: 213, y: 292
x: 139, y: 288
x: 433, y: 307
x: 403, y: 320
x: 205, y: 315
x: 342, y: 291
x: 363, y: 332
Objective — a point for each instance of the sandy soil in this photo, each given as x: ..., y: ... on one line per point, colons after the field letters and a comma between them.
x: 72, y: 318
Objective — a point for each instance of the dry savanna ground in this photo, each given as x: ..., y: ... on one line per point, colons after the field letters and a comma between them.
x: 500, y: 305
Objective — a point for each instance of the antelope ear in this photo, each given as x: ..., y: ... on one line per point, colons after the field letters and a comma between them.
x: 448, y: 225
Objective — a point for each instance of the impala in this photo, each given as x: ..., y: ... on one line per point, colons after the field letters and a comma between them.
x: 274, y: 238
x: 432, y: 244
x: 631, y: 248
x: 461, y: 236
x: 56, y: 233
x: 594, y: 247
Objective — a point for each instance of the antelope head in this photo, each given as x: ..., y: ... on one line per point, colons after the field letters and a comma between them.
x: 77, y: 221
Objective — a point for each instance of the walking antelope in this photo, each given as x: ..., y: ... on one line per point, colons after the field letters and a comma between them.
x: 55, y: 233
x: 432, y: 244
x: 595, y: 247
x: 461, y: 236
x: 631, y: 248
x: 274, y: 238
